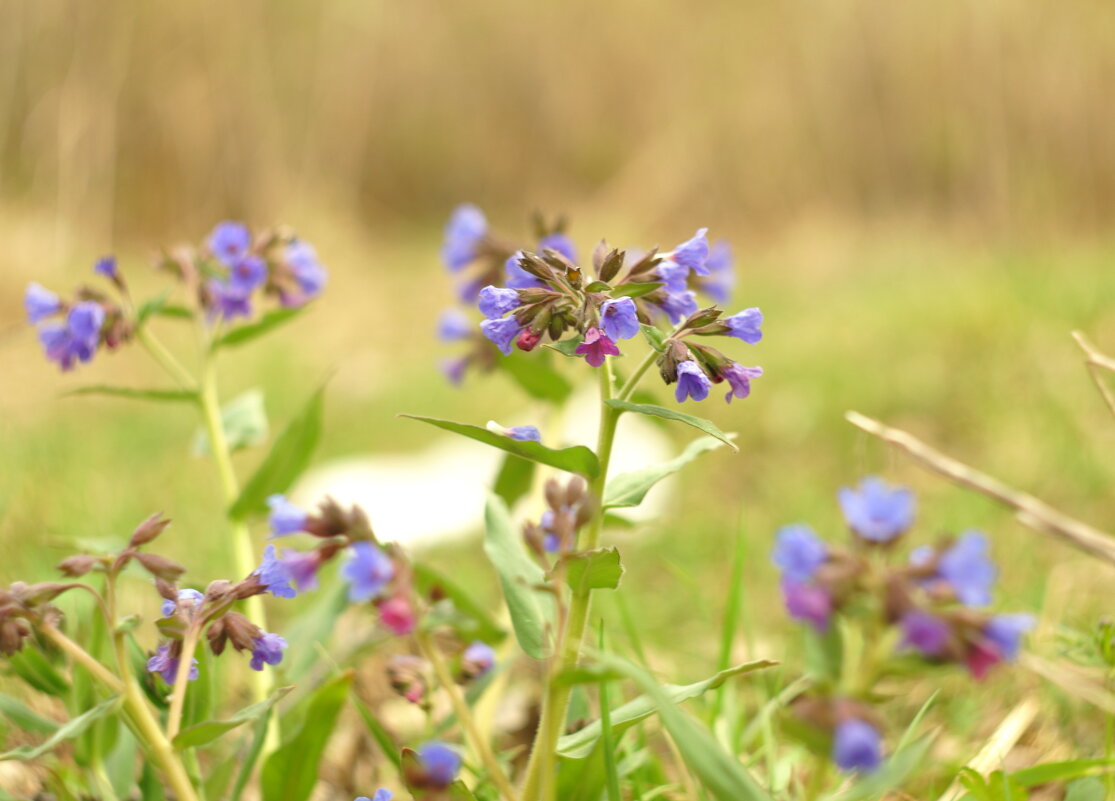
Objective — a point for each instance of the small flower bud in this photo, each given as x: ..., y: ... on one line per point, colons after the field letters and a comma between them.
x: 217, y: 636
x: 78, y: 565
x: 528, y: 339
x: 409, y: 677
x: 148, y: 530
x: 241, y: 631
x: 159, y: 566
x: 13, y: 632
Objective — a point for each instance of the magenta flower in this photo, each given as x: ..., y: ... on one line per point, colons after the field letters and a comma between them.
x: 596, y: 346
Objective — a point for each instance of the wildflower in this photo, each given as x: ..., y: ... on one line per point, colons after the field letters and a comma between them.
x: 274, y: 575
x: 561, y: 243
x: 368, y: 572
x: 190, y: 599
x: 967, y: 570
x: 678, y: 306
x: 228, y: 301
x: 925, y: 632
x: 495, y: 302
x: 693, y: 253
x: 454, y: 370
x: 808, y: 603
x: 739, y: 378
x: 857, y: 745
x: 302, y: 568
x: 517, y: 277
x: 439, y: 762
x: 1005, y: 633
x: 619, y: 319
x: 397, y: 615
x: 453, y: 325
x: 267, y: 649
x: 692, y: 382
x: 525, y: 433
x: 230, y: 242
x: 166, y: 665
x: 40, y: 303
x: 596, y: 346
x: 799, y: 552
x: 463, y: 234
x: 382, y: 794
x: 477, y: 660
x: 877, y: 512
x: 745, y: 325
x: 106, y: 266
x: 722, y: 278
x: 285, y: 517
x: 674, y: 276
x: 76, y: 339
x: 502, y: 332
x: 247, y: 273
x: 301, y: 258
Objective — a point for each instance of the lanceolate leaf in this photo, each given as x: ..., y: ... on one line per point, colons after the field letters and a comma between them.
x: 672, y: 414
x: 66, y: 731
x: 514, y: 478
x: 202, y: 733
x: 537, y: 377
x: 579, y: 744
x: 532, y: 611
x: 288, y: 458
x: 15, y: 711
x: 161, y: 395
x: 600, y: 569
x: 577, y: 459
x: 635, y: 290
x: 629, y: 489
x: 483, y: 625
x: 269, y: 322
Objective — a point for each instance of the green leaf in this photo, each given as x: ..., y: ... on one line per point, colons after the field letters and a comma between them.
x: 600, y: 569
x: 161, y: 308
x: 1059, y: 771
x: 579, y: 744
x: 267, y: 323
x: 244, y: 420
x: 161, y: 395
x: 537, y: 376
x: 532, y: 611
x: 210, y: 730
x: 655, y: 338
x: 898, y: 767
x: 312, y: 628
x: 598, y: 286
x: 629, y: 489
x: 379, y: 734
x: 635, y: 290
x: 66, y: 731
x: 289, y: 456
x: 15, y: 711
x: 31, y: 666
x: 567, y: 347
x: 514, y: 478
x: 577, y: 459
x: 673, y: 414
x: 483, y: 625
x: 1086, y: 790
x: 289, y: 774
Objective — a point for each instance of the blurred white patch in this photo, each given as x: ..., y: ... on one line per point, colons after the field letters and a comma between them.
x: 437, y: 495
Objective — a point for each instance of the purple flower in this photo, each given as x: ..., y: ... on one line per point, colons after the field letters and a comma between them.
x: 368, y: 572
x: 267, y: 649
x: 857, y: 745
x: 190, y: 598
x: 478, y: 659
x: 40, y: 303
x: 106, y: 266
x: 680, y: 305
x: 229, y: 302
x: 274, y: 575
x: 524, y: 433
x: 877, y: 512
x: 807, y: 603
x: 799, y: 552
x: 76, y: 339
x: 440, y: 763
x: 247, y: 273
x: 167, y: 666
x: 454, y: 370
x: 1005, y: 633
x: 619, y: 319
x: 693, y: 253
x: 517, y: 277
x: 596, y: 346
x: 925, y: 632
x: 561, y: 243
x: 302, y: 568
x: 722, y: 278
x: 674, y: 276
x: 382, y: 794
x: 285, y: 517
x: 739, y: 378
x: 692, y: 382
x: 310, y: 276
x: 453, y: 325
x: 968, y: 570
x: 502, y: 332
x: 495, y: 302
x: 230, y: 242
x: 745, y: 325
x: 463, y: 234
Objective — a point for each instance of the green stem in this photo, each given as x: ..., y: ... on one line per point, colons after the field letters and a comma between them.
x: 464, y: 715
x: 165, y: 358
x: 818, y: 780
x: 628, y: 388
x: 181, y: 681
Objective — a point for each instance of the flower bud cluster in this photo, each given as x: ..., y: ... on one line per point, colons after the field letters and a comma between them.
x: 569, y: 508
x: 72, y: 331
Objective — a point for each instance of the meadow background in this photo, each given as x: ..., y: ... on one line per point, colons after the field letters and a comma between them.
x: 920, y: 197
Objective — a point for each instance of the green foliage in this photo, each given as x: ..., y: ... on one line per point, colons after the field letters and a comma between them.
x: 160, y: 395
x: 672, y: 414
x: 629, y: 489
x: 538, y: 378
x: 67, y: 731
x: 242, y: 335
x: 207, y: 731
x: 244, y: 420
x: 514, y: 479
x: 471, y: 620
x: 600, y: 569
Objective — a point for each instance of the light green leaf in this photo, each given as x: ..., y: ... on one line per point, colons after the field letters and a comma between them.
x: 672, y: 414
x: 577, y: 459
x: 537, y: 376
x: 598, y: 286
x: 31, y: 666
x: 66, y: 731
x: 532, y: 611
x: 579, y: 744
x: 1059, y: 771
x: 482, y: 626
x: 288, y: 458
x: 379, y: 733
x: 567, y: 347
x: 312, y: 628
x: 18, y: 713
x: 210, y: 730
x: 289, y: 774
x: 514, y: 478
x: 655, y: 338
x: 269, y: 322
x: 635, y: 290
x: 1086, y: 790
x: 629, y: 489
x: 600, y: 569
x: 161, y: 395
x: 244, y: 420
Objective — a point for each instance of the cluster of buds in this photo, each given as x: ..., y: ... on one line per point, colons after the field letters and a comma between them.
x: 568, y: 509
x: 934, y: 601
x: 224, y: 276
x: 546, y: 296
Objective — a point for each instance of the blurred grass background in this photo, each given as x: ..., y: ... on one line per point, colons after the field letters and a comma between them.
x: 920, y: 197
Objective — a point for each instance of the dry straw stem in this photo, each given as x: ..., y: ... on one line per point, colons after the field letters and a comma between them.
x: 990, y: 757
x: 1097, y: 361
x: 1031, y: 512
